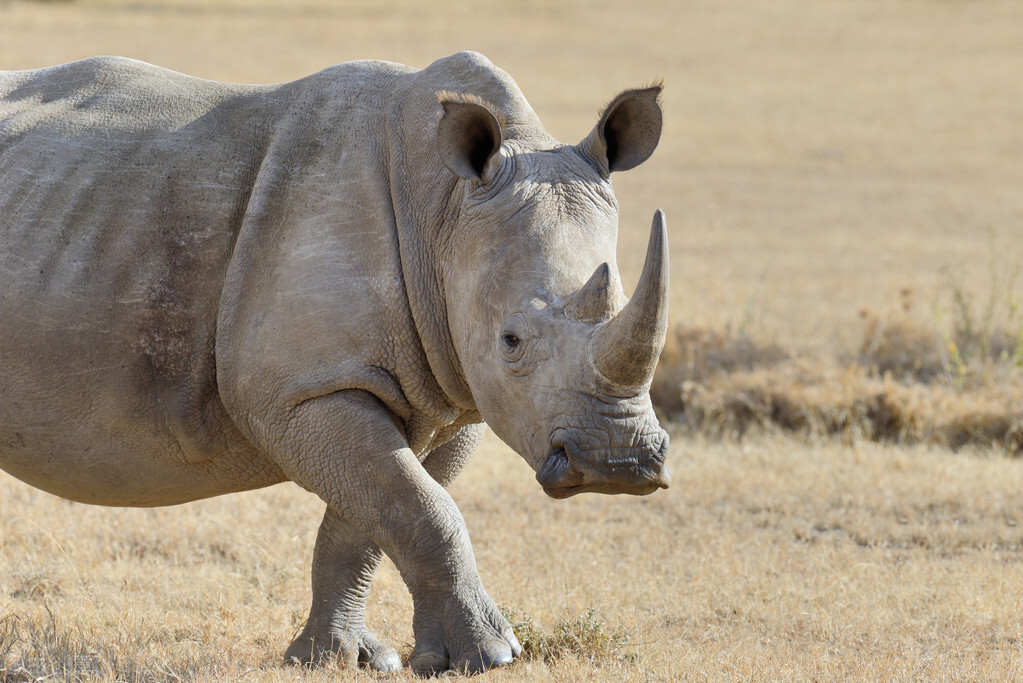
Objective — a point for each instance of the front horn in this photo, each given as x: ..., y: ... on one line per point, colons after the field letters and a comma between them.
x: 625, y: 349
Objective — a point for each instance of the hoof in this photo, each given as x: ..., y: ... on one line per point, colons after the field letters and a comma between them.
x: 386, y: 662
x: 427, y: 663
x: 351, y: 651
x: 484, y: 657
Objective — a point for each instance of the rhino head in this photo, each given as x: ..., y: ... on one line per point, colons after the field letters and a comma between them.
x: 558, y: 361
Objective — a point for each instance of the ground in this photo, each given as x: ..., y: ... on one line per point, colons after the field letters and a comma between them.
x: 770, y: 559
x: 825, y: 167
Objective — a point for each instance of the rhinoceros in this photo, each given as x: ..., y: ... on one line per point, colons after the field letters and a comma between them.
x: 208, y: 288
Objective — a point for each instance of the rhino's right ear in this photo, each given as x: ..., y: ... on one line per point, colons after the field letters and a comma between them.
x: 469, y: 137
x: 628, y: 131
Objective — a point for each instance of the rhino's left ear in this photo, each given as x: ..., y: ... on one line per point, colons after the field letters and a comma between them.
x: 628, y: 130
x: 469, y: 137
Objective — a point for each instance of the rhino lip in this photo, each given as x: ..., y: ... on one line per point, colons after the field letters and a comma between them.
x: 560, y: 480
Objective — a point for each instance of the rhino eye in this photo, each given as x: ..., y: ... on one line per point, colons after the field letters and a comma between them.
x: 515, y: 340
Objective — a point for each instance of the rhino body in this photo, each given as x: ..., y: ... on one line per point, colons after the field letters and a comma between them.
x: 208, y: 288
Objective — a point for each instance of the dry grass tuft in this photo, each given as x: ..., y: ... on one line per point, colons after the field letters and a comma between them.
x: 48, y: 649
x: 587, y: 637
x: 903, y: 347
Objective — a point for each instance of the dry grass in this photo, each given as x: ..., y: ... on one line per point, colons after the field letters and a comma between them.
x: 767, y: 559
x: 909, y: 382
x: 841, y: 180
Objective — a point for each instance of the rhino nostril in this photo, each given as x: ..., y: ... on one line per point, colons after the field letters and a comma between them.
x: 554, y: 468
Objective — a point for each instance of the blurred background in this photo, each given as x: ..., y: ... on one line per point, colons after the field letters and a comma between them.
x: 843, y: 179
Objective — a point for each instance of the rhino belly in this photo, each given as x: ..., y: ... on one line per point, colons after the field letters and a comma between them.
x: 86, y: 413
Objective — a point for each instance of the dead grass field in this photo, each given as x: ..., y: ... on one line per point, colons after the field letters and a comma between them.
x: 843, y: 181
x: 769, y: 560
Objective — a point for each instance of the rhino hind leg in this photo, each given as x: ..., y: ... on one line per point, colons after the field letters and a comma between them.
x: 343, y: 564
x: 446, y: 462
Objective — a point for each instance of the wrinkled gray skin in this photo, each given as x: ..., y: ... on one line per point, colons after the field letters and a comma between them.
x: 207, y: 288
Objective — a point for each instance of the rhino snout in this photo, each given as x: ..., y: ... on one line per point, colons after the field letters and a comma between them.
x: 636, y: 470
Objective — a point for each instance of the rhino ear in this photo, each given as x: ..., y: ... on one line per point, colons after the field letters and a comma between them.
x: 469, y: 137
x: 628, y: 130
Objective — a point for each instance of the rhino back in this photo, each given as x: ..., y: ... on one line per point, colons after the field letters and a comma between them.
x: 122, y: 187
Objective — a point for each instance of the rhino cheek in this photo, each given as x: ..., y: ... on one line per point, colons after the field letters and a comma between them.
x: 516, y: 410
x: 499, y: 406
x: 515, y: 422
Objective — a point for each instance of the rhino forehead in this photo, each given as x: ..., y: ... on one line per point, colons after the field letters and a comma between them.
x: 584, y: 205
x: 547, y: 263
x: 554, y: 183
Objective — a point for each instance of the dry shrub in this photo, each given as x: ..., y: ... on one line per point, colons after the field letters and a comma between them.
x: 902, y: 346
x: 906, y: 385
x: 975, y: 341
x: 987, y: 327
x: 587, y: 637
x: 697, y: 354
x: 853, y: 406
x: 910, y: 381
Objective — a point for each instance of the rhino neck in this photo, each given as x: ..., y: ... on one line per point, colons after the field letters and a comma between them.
x: 421, y: 189
x: 426, y: 196
x: 418, y: 241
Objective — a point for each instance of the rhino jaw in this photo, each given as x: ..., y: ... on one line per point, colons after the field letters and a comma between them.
x: 560, y: 478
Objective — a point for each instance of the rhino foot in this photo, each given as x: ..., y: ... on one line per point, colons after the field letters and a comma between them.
x: 471, y: 638
x: 352, y: 648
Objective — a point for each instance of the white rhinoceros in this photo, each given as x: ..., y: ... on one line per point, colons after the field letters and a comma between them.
x: 207, y: 288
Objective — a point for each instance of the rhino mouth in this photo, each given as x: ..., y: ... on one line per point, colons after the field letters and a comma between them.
x: 566, y: 472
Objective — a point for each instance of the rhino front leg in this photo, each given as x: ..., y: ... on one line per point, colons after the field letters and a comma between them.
x: 344, y: 561
x: 343, y: 564
x: 347, y: 448
x: 431, y: 656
